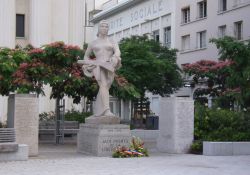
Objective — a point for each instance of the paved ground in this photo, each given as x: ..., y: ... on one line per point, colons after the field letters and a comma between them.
x: 63, y: 160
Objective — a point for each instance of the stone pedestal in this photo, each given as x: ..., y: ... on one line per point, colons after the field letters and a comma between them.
x: 103, y: 120
x: 176, y: 125
x: 102, y: 139
x: 23, y: 116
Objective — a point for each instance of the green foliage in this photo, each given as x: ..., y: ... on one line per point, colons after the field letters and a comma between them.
x: 221, y: 125
x: 239, y: 53
x: 122, y: 89
x: 71, y: 115
x: 74, y: 115
x: 148, y: 66
x: 10, y: 59
x: 136, y: 149
x: 196, y: 147
x: 3, y: 125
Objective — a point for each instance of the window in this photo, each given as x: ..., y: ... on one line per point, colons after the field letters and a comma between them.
x: 238, y: 30
x: 202, y: 9
x: 167, y: 36
x: 20, y: 23
x: 185, y: 42
x: 222, y: 31
x: 156, y: 35
x: 201, y: 39
x: 186, y: 15
x: 222, y: 5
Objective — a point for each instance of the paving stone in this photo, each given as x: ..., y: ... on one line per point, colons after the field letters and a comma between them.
x: 64, y: 160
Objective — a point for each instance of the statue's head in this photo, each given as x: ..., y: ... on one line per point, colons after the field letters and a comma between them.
x: 103, y: 28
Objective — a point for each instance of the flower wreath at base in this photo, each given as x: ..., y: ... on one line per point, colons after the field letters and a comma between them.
x: 136, y: 149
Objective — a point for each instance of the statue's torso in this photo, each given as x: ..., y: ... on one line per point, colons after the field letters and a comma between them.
x: 103, y: 49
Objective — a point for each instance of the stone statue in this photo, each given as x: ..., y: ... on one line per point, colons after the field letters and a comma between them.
x: 102, y: 66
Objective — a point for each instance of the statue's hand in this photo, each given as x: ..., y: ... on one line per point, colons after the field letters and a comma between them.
x: 116, y: 61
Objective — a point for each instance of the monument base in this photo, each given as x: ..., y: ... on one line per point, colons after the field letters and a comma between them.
x: 109, y: 120
x: 102, y: 139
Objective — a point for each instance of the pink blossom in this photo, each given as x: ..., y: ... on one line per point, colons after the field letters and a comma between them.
x: 36, y: 51
x: 23, y: 65
x: 71, y: 47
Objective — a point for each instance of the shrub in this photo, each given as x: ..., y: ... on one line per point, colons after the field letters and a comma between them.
x: 71, y: 115
x: 196, y: 147
x: 74, y: 115
x: 221, y: 125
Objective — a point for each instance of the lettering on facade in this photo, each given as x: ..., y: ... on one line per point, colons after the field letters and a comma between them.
x: 138, y: 14
x: 116, y: 23
x: 147, y: 11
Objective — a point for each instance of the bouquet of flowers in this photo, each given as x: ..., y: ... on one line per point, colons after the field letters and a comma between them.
x: 136, y: 149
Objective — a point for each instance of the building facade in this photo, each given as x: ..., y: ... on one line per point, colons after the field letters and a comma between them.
x: 200, y: 20
x: 186, y: 25
x: 39, y: 22
x: 152, y: 17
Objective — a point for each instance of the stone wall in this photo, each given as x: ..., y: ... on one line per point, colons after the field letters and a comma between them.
x: 23, y: 115
x: 176, y: 124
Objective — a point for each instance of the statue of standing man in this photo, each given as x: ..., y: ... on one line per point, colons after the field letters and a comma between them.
x: 107, y: 60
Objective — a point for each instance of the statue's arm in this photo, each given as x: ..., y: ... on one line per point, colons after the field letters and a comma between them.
x: 117, y: 52
x: 116, y: 56
x: 88, y: 52
x: 86, y: 55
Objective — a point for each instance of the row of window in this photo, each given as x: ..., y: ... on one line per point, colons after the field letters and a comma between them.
x: 202, y: 9
x: 238, y: 30
x: 202, y: 39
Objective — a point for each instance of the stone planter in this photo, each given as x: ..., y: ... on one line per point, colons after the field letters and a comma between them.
x: 226, y: 148
x: 9, y: 149
x: 23, y: 116
x: 7, y: 135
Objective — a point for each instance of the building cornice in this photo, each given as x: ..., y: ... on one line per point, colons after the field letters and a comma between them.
x: 115, y: 9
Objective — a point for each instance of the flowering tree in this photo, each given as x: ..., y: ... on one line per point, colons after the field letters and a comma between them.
x: 55, y: 64
x: 214, y: 73
x: 10, y: 59
x: 231, y: 75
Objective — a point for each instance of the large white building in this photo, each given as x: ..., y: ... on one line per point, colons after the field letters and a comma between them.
x: 200, y: 20
x: 183, y: 24
x: 40, y: 22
